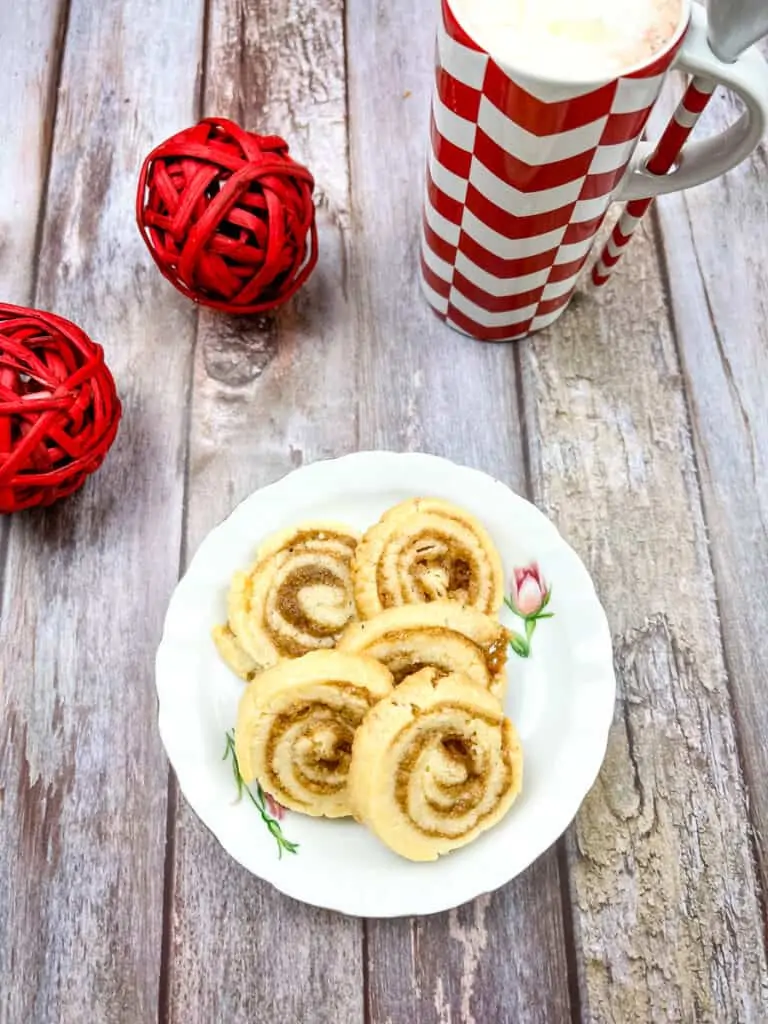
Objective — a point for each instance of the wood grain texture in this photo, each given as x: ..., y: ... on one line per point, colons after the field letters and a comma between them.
x: 667, y: 922
x: 716, y: 244
x: 268, y: 394
x: 618, y: 422
x: 84, y: 780
x: 31, y: 36
x: 422, y: 386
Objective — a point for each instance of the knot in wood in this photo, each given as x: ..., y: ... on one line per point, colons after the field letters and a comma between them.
x: 59, y: 408
x: 228, y: 216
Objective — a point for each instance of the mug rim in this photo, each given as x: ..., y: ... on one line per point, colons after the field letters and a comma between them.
x: 668, y: 50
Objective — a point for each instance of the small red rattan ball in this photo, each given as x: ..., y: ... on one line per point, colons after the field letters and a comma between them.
x: 228, y: 216
x: 58, y: 408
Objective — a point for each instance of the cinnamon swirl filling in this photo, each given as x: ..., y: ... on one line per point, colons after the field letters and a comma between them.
x: 296, y: 726
x: 427, y: 550
x: 297, y: 597
x: 434, y: 765
x: 442, y: 635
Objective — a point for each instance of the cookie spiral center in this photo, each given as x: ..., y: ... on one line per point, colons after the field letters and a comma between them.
x: 452, y: 769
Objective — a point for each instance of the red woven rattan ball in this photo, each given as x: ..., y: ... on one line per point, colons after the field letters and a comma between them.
x: 228, y: 216
x: 58, y: 408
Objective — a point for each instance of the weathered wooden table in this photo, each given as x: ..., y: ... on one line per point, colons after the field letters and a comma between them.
x: 638, y: 423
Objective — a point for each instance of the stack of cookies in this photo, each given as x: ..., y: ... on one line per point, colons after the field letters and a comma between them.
x: 376, y: 670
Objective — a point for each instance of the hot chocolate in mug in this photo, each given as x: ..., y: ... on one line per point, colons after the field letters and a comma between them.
x: 527, y: 151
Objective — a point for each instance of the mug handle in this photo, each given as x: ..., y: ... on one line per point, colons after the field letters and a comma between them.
x: 708, y: 159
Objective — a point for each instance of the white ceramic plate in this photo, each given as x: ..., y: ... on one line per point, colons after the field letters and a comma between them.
x: 561, y: 699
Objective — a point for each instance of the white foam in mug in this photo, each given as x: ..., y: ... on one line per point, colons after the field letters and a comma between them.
x: 570, y: 39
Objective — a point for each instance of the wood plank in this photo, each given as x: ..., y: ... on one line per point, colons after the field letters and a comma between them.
x: 666, y: 915
x: 423, y: 386
x: 716, y: 244
x: 269, y: 393
x: 32, y: 35
x: 84, y: 777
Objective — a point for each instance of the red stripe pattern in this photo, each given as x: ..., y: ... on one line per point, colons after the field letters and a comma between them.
x: 671, y: 143
x: 519, y: 178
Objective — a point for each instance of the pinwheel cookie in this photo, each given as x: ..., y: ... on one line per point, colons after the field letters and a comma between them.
x: 443, y: 635
x: 295, y: 728
x: 297, y: 597
x: 426, y: 550
x: 434, y: 765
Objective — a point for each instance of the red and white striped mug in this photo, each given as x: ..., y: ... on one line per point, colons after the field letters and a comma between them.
x: 522, y: 169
